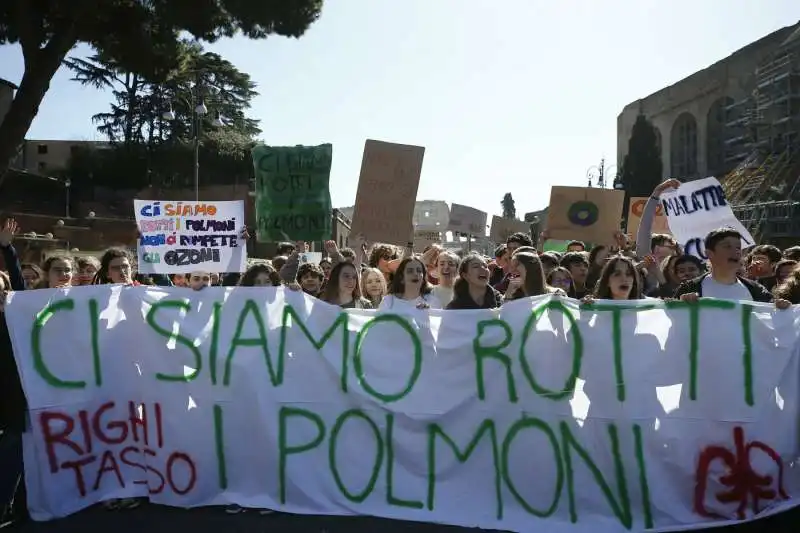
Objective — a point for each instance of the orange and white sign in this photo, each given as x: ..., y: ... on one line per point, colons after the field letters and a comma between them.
x: 635, y: 211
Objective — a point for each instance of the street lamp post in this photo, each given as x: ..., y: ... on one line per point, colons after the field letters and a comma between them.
x: 67, y: 185
x: 199, y: 111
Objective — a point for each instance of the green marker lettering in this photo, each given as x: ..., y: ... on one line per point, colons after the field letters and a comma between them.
x: 42, y: 317
x: 94, y: 320
x: 486, y: 427
x: 213, y: 349
x: 694, y: 332
x: 577, y: 352
x: 643, y: 483
x: 747, y: 355
x: 391, y: 499
x: 176, y: 337
x: 219, y: 448
x: 251, y: 308
x: 616, y: 338
x: 621, y: 508
x: 342, y: 320
x: 285, y: 450
x: 376, y: 465
x: 541, y: 425
x: 482, y: 352
x: 359, y: 366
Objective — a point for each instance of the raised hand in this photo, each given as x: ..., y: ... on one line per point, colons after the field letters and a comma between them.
x: 10, y: 228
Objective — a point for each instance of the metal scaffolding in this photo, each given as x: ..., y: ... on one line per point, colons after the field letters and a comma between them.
x: 762, y: 138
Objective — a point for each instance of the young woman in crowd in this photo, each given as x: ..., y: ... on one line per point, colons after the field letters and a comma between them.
x: 409, y: 287
x: 619, y: 280
x: 529, y: 280
x: 471, y: 289
x: 446, y: 272
x: 783, y: 269
x: 87, y: 269
x: 58, y: 270
x: 559, y: 278
x: 260, y: 275
x: 343, y: 288
x: 789, y: 289
x: 373, y: 286
x: 32, y: 274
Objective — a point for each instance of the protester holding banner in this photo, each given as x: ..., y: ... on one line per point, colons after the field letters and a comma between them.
x: 343, y: 288
x: 260, y: 275
x: 115, y: 267
x: 410, y: 288
x: 373, y: 286
x: 58, y: 271
x: 471, y: 289
x: 724, y: 250
x: 530, y: 276
x: 447, y: 268
x: 619, y: 280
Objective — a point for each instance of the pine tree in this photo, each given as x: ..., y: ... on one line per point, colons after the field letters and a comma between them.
x: 509, y: 208
x: 642, y: 168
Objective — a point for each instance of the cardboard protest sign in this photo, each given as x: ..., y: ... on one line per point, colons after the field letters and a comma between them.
x: 635, y: 211
x: 608, y: 418
x: 424, y: 238
x: 293, y: 199
x: 503, y: 227
x: 586, y: 214
x: 387, y: 191
x: 467, y: 220
x: 695, y: 209
x: 182, y: 237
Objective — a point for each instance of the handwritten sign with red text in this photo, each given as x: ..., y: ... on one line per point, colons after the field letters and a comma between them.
x: 183, y: 237
x: 546, y: 414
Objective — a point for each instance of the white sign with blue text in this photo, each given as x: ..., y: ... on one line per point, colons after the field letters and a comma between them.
x: 183, y: 237
x: 695, y: 209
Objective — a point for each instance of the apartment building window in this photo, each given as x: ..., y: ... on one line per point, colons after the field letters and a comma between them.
x: 41, y: 149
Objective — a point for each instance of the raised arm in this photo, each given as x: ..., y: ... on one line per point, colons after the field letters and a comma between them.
x: 10, y: 256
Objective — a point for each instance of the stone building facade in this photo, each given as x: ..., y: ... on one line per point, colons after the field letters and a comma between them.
x: 690, y: 116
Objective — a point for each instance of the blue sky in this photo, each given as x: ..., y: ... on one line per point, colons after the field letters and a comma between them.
x: 504, y: 100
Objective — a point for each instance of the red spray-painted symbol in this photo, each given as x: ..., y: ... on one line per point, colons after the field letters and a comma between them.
x: 746, y: 487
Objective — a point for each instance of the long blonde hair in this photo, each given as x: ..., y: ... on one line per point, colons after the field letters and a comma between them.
x: 364, y: 276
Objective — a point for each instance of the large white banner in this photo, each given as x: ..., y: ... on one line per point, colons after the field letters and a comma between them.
x: 184, y: 237
x: 695, y: 209
x: 542, y: 415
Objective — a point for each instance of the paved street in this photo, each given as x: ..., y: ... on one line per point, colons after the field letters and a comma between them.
x: 157, y: 519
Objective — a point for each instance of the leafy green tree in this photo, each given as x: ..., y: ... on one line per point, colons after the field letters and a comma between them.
x: 136, y: 115
x: 642, y: 168
x: 509, y: 208
x: 140, y: 36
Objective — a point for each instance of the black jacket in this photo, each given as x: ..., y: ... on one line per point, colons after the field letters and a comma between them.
x: 462, y: 300
x: 757, y: 291
x: 13, y: 406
